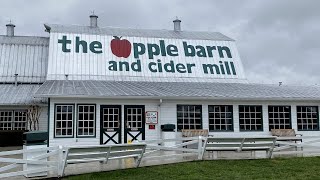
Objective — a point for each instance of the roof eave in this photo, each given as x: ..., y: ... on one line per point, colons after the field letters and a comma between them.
x: 182, y: 98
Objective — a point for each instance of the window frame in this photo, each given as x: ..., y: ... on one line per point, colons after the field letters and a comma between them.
x: 317, y: 118
x: 201, y: 117
x: 12, y: 121
x: 244, y: 130
x: 131, y: 120
x: 290, y: 115
x: 119, y: 107
x: 73, y: 121
x: 95, y: 121
x: 232, y: 119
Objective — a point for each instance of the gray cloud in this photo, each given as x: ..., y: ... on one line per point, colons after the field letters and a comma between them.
x: 278, y: 40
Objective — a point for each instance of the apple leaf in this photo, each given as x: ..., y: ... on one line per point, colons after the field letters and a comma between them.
x: 118, y: 38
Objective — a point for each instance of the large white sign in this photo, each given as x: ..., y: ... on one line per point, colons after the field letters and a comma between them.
x: 99, y: 56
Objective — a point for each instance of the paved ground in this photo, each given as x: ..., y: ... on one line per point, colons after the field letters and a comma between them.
x: 151, y: 159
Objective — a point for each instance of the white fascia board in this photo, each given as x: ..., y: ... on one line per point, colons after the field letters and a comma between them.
x: 180, y: 98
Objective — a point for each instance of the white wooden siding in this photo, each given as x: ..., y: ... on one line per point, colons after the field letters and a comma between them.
x: 151, y: 105
x: 168, y: 115
x: 30, y: 62
x: 43, y: 119
x: 91, y: 66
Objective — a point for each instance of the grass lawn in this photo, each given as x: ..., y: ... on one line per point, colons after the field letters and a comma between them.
x: 289, y: 168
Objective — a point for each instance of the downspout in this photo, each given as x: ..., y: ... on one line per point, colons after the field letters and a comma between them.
x: 48, y: 125
x: 16, y: 79
x: 159, y: 118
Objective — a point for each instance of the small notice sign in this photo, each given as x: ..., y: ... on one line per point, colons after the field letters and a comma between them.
x: 151, y: 117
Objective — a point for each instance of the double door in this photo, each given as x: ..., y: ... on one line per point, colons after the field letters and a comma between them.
x: 117, y: 124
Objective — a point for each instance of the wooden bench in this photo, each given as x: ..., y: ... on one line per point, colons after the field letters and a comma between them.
x: 286, y: 135
x: 103, y: 153
x: 194, y: 132
x: 239, y: 144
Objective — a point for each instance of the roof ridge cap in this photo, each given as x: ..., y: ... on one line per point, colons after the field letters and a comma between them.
x: 131, y: 28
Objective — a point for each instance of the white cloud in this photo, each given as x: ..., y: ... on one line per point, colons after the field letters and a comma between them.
x: 277, y: 40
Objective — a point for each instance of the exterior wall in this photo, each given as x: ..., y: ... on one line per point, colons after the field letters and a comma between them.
x: 25, y: 56
x: 150, y: 105
x: 167, y: 114
x: 43, y: 120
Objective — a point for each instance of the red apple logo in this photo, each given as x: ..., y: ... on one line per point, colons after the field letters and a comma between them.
x: 120, y: 48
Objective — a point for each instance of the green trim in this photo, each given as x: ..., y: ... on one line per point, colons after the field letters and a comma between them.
x: 95, y: 121
x: 201, y: 126
x: 37, y: 143
x: 221, y: 131
x: 317, y: 119
x: 232, y: 126
x: 262, y: 128
x: 280, y: 106
x: 119, y: 129
x: 48, y: 125
x: 251, y: 130
x: 54, y: 120
x: 128, y: 130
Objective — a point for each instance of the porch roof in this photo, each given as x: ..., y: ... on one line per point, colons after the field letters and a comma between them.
x: 23, y: 94
x: 175, y: 90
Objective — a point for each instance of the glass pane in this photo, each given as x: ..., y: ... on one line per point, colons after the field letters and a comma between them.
x: 69, y: 108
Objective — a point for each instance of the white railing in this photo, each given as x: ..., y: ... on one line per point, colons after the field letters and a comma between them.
x: 53, y: 159
x: 310, y: 145
x: 189, y: 146
x: 41, y: 163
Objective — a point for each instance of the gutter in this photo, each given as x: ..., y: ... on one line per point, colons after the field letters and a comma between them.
x: 181, y: 98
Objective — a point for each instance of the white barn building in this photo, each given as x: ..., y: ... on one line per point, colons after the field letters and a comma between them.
x: 113, y: 85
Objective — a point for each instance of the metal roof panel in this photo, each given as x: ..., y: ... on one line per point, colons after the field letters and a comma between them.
x: 23, y: 94
x: 113, y: 31
x: 25, y: 56
x: 232, y: 91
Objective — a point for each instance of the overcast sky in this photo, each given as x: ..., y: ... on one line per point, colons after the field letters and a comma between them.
x: 278, y: 40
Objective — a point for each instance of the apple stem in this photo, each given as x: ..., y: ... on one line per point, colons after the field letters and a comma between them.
x: 118, y: 38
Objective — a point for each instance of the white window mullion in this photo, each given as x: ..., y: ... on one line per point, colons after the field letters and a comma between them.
x: 88, y: 124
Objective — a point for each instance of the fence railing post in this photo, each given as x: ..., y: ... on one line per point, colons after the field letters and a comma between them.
x: 199, y: 147
x: 60, y: 161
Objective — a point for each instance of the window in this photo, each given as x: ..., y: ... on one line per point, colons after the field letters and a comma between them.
x: 307, y: 117
x: 279, y: 117
x: 86, y: 120
x: 189, y: 117
x: 64, y: 120
x: 111, y: 117
x: 220, y: 118
x: 13, y: 120
x: 20, y: 120
x: 134, y: 118
x: 250, y: 118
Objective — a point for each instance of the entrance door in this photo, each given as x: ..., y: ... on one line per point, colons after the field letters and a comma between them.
x: 110, y: 124
x: 134, y: 120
